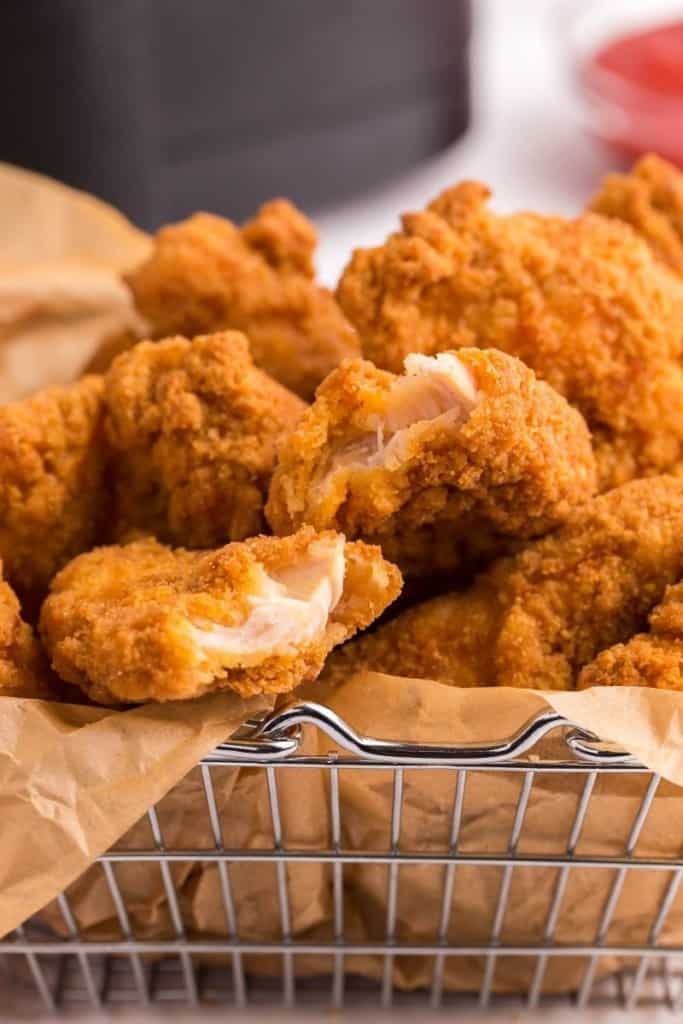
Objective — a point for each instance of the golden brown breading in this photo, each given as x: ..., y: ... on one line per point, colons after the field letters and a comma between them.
x: 144, y: 622
x: 468, y: 449
x: 537, y: 618
x: 52, y: 494
x: 584, y: 303
x: 648, y: 659
x: 206, y: 274
x: 650, y: 198
x: 24, y: 669
x: 192, y: 426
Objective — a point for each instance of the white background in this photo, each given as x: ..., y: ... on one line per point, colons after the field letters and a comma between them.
x: 526, y: 143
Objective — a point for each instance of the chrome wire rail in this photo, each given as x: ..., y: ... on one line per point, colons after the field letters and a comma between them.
x: 66, y: 970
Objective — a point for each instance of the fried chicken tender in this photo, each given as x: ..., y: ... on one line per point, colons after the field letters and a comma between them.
x: 144, y: 622
x: 24, y: 669
x: 584, y: 303
x: 536, y: 619
x: 206, y: 274
x: 460, y: 452
x: 192, y: 426
x: 648, y: 659
x: 52, y: 493
x: 650, y: 199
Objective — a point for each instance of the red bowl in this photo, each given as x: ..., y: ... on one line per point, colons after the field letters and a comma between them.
x: 627, y: 68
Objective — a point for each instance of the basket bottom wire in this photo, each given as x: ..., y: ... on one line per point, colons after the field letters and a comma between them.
x: 117, y: 986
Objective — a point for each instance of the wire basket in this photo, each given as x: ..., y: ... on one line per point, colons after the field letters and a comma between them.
x: 71, y: 969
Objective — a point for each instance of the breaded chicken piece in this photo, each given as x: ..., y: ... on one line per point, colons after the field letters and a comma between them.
x: 536, y: 619
x: 460, y: 452
x: 52, y: 494
x: 650, y: 199
x: 192, y: 426
x: 144, y: 622
x: 24, y: 669
x: 584, y: 303
x: 206, y: 274
x: 648, y: 659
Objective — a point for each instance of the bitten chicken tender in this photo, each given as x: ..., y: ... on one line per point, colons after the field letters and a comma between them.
x: 52, y: 494
x: 206, y: 274
x: 584, y: 303
x: 144, y: 622
x: 648, y: 659
x: 192, y: 426
x: 650, y: 198
x: 24, y: 668
x: 460, y: 452
x: 536, y: 619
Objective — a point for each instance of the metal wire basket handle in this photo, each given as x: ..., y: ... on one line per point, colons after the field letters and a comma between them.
x: 278, y: 736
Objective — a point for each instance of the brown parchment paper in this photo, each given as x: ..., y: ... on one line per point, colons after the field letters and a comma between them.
x: 74, y: 779
x: 61, y: 256
x: 647, y: 722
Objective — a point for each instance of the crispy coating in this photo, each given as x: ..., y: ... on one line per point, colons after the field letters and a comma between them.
x: 650, y: 199
x: 206, y: 274
x: 145, y: 622
x: 52, y: 492
x: 648, y: 659
x: 24, y: 669
x: 192, y: 426
x: 458, y: 454
x: 584, y: 303
x: 536, y: 619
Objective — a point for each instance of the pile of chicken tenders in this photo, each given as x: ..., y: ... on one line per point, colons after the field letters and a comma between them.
x: 489, y: 407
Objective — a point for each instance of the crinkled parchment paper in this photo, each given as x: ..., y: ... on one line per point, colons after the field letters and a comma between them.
x: 75, y: 780
x: 61, y: 296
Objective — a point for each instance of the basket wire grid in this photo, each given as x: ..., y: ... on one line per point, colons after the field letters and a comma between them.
x: 70, y: 970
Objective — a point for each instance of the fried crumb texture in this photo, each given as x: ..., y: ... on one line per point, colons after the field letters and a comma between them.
x: 650, y: 199
x: 144, y: 622
x: 52, y: 490
x: 192, y: 427
x: 584, y: 303
x: 536, y: 619
x: 450, y: 458
x: 207, y: 274
x: 24, y: 668
x: 652, y: 659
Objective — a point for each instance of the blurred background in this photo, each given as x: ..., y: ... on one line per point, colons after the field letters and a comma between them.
x: 158, y: 105
x: 355, y: 110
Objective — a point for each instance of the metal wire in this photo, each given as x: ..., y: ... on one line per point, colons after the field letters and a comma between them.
x: 664, y: 907
x: 337, y: 892
x: 504, y: 892
x: 174, y: 909
x: 436, y: 993
x: 282, y: 891
x: 238, y: 979
x: 429, y: 949
x: 37, y: 973
x: 560, y: 887
x: 615, y: 890
x: 392, y: 889
x: 127, y: 932
x: 81, y: 951
x: 74, y: 968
